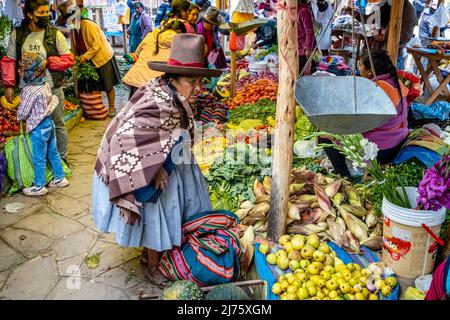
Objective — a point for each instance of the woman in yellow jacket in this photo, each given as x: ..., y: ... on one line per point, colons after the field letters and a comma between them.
x: 92, y: 45
x: 154, y: 47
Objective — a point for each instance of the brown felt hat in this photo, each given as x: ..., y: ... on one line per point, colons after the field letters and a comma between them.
x: 63, y: 15
x: 187, y: 58
x: 212, y: 15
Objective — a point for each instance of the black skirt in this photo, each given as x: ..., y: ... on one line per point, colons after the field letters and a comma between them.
x: 109, y: 75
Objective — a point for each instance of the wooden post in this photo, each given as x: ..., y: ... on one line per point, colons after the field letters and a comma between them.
x: 395, y: 29
x: 124, y: 32
x: 284, y: 132
x: 233, y: 74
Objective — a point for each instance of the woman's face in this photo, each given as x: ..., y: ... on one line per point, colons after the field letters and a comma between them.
x: 366, y: 73
x: 193, y: 16
x: 184, y: 14
x: 208, y: 26
x: 189, y: 87
x: 42, y: 12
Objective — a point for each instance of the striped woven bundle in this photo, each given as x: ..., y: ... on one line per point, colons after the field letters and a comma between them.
x: 210, y: 253
x: 210, y: 109
x: 93, y: 107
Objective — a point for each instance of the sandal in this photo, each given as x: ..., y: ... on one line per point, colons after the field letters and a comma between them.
x: 112, y: 113
x: 160, y: 284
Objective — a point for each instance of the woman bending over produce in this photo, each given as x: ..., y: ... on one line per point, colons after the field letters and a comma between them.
x: 142, y: 191
x: 390, y: 136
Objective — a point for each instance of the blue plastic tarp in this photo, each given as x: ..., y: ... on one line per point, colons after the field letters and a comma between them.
x: 424, y: 155
x: 271, y: 273
x: 437, y: 110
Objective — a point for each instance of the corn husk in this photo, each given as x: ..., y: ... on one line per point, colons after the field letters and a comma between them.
x: 353, y: 196
x: 247, y: 241
x: 267, y: 184
x: 321, y: 180
x: 374, y: 243
x: 253, y: 218
x: 323, y: 236
x: 302, y: 206
x: 371, y: 219
x: 341, y: 223
x: 289, y: 221
x: 315, y: 205
x: 259, y: 225
x: 357, y: 227
x: 333, y: 188
x: 307, y: 198
x: 262, y: 207
x: 324, y: 200
x: 247, y: 205
x: 258, y: 189
x: 360, y: 212
x: 264, y: 198
x: 313, y: 216
x: 293, y: 212
x: 304, y: 229
x: 301, y: 176
x: 296, y: 187
x: 353, y: 243
x: 339, y: 198
x: 377, y: 231
x: 322, y: 224
x: 242, y: 213
x: 337, y: 232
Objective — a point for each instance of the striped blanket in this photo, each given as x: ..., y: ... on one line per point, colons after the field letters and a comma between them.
x: 210, y: 253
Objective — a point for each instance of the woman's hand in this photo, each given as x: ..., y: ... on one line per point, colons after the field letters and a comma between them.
x: 130, y: 216
x: 82, y: 59
x: 9, y: 94
x: 162, y: 179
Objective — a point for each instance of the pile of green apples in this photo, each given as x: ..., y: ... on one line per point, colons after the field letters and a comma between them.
x: 313, y: 271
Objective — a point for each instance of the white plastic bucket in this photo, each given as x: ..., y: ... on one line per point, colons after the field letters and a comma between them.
x: 257, y: 67
x: 407, y: 247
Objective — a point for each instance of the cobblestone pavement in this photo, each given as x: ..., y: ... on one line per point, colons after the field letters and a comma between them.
x: 44, y: 246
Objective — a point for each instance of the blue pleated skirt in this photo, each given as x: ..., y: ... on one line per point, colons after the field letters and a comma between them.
x: 160, y: 230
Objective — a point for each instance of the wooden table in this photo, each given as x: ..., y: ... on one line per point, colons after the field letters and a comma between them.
x: 433, y: 57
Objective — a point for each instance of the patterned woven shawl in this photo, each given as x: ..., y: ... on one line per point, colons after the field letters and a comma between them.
x: 138, y: 141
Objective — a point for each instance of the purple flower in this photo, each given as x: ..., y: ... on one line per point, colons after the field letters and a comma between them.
x: 434, y: 188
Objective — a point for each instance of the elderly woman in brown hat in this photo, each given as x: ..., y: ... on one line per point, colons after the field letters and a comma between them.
x: 146, y: 181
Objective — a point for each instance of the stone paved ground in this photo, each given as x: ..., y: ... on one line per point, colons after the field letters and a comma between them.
x: 43, y: 247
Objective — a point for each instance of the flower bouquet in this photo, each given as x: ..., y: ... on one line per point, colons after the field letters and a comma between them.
x: 413, y: 84
x: 434, y: 189
x: 363, y: 154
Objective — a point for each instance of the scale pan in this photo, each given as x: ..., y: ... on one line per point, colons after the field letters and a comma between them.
x: 328, y: 103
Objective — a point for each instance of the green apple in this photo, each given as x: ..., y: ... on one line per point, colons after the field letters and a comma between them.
x: 313, y: 240
x: 295, y: 255
x: 302, y: 294
x: 318, y: 256
x: 297, y: 242
x: 271, y: 258
x: 294, y: 265
x: 281, y: 253
x: 303, y: 277
x: 288, y: 247
x: 332, y: 285
x: 345, y: 288
x: 315, y: 278
x: 313, y: 269
x: 304, y: 263
x: 329, y: 260
x: 264, y: 248
x: 312, y: 291
x: 330, y: 269
x: 307, y: 251
x: 324, y: 248
x: 318, y: 264
x: 325, y: 275
x: 283, y: 262
x: 284, y: 238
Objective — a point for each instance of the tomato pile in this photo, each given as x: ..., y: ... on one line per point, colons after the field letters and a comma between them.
x: 8, y: 122
x: 253, y: 92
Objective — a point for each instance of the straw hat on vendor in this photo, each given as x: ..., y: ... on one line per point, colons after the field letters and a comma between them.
x: 138, y: 174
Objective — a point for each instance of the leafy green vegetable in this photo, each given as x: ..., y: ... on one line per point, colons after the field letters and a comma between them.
x: 260, y: 110
x: 303, y: 127
x: 231, y: 180
x: 407, y: 174
x: 93, y: 261
x: 87, y: 76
